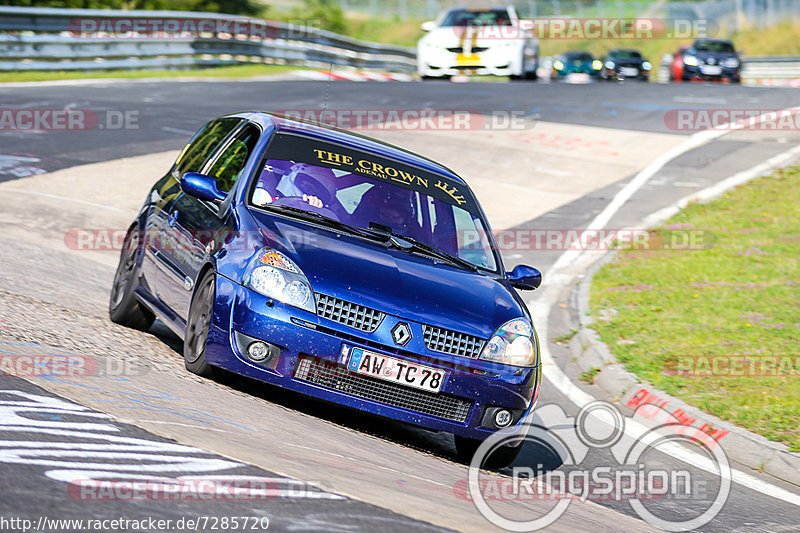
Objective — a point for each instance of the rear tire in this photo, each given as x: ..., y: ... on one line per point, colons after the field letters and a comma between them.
x: 123, y: 306
x: 500, y: 457
x: 198, y: 324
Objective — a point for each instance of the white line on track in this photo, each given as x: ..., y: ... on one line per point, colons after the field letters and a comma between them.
x: 67, y: 198
x: 177, y: 130
x: 560, y: 277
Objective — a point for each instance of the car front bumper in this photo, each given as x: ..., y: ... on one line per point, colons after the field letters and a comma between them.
x: 700, y: 73
x: 441, y: 63
x: 309, y: 353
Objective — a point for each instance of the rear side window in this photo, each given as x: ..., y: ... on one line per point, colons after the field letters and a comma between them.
x: 204, y: 143
x: 230, y: 163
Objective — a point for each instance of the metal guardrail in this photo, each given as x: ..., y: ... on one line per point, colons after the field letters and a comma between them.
x: 52, y: 39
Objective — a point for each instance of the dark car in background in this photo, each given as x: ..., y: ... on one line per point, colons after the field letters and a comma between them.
x: 622, y: 64
x: 576, y: 63
x: 711, y: 59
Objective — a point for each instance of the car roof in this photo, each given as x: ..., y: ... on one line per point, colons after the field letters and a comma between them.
x: 325, y: 132
x: 481, y: 9
x: 726, y: 41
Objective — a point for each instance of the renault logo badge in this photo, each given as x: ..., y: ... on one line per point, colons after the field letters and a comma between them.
x: 401, y: 334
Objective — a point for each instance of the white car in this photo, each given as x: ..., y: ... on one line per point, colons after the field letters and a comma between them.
x: 478, y: 41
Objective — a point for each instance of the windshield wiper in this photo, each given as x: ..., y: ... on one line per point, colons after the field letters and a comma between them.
x: 398, y: 242
x: 327, y: 221
x: 381, y: 233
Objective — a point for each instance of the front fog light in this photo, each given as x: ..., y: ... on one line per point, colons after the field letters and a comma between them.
x: 257, y: 351
x: 502, y: 418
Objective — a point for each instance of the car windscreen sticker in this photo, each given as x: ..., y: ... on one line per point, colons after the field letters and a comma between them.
x: 346, y: 160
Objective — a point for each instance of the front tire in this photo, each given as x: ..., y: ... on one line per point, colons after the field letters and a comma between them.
x: 123, y: 306
x: 198, y: 324
x: 500, y: 457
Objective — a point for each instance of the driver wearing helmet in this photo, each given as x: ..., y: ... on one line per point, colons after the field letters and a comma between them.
x: 390, y: 206
x: 300, y: 180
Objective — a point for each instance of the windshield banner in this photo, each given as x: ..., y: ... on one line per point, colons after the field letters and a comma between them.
x: 334, y: 156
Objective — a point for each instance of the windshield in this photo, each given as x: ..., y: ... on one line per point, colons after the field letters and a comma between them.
x: 714, y: 46
x: 625, y: 54
x: 370, y: 192
x: 489, y: 17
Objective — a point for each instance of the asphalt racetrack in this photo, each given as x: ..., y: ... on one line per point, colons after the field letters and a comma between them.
x: 323, y: 468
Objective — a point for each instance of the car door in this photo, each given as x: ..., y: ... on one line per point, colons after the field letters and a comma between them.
x: 161, y: 272
x: 193, y: 223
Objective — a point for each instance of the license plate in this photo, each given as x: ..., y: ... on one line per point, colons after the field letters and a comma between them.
x: 711, y: 70
x: 627, y: 71
x: 473, y: 60
x: 396, y: 370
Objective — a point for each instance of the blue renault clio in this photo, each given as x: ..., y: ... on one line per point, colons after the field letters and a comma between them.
x: 337, y: 266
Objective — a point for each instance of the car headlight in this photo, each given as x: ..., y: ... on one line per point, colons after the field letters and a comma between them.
x: 276, y: 276
x: 597, y: 64
x: 610, y: 65
x: 731, y: 62
x: 690, y: 61
x: 558, y: 65
x: 646, y: 65
x: 514, y: 343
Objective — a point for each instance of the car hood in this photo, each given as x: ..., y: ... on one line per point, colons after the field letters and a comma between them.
x: 719, y: 56
x: 395, y: 282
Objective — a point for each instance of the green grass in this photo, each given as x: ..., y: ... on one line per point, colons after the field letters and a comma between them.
x: 738, y: 299
x: 402, y: 32
x: 589, y: 375
x: 235, y: 71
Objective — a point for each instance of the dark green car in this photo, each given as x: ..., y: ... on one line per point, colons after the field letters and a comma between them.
x: 576, y: 63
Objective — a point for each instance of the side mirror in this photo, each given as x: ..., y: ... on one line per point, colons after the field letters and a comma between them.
x: 525, y: 278
x: 428, y: 25
x: 202, y: 187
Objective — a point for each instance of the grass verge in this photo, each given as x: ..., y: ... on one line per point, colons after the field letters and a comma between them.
x: 670, y: 315
x: 234, y: 71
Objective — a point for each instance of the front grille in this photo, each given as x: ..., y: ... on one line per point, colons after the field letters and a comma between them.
x: 451, y: 342
x: 348, y: 313
x: 337, y: 377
